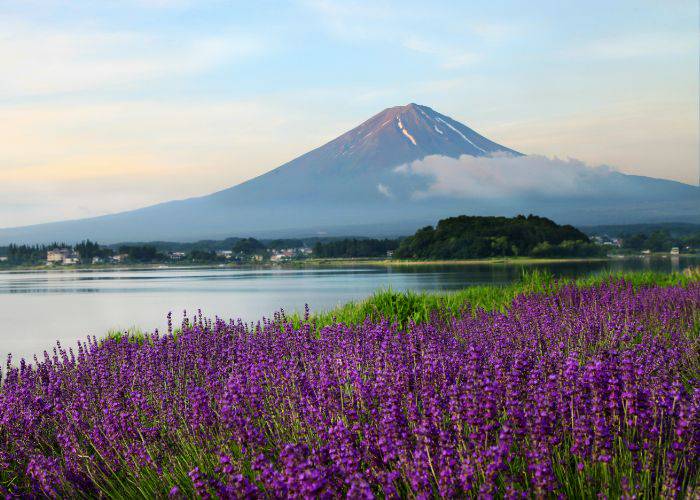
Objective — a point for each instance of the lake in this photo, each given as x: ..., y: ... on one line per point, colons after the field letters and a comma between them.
x: 39, y: 307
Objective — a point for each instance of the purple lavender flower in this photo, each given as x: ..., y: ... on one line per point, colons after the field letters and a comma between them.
x: 564, y: 394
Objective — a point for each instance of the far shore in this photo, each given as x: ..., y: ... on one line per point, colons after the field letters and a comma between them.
x: 455, y: 262
x: 331, y: 262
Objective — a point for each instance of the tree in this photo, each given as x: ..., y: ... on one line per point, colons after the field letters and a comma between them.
x: 203, y: 256
x: 635, y: 242
x: 248, y: 247
x: 350, y: 248
x: 468, y: 237
x: 89, y: 249
x: 144, y: 253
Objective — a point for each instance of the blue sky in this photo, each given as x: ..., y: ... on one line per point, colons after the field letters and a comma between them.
x: 106, y: 106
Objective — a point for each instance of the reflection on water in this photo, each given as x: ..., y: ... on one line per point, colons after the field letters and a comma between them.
x: 37, y: 308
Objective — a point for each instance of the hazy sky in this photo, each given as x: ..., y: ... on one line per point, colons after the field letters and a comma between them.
x: 113, y: 105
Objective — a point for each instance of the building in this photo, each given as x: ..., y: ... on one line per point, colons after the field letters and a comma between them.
x: 176, y: 255
x: 72, y: 258
x: 606, y: 241
x: 55, y: 256
x: 97, y: 260
x: 121, y: 257
x: 284, y: 255
x: 227, y: 254
x: 675, y: 251
x: 64, y: 256
x: 3, y: 258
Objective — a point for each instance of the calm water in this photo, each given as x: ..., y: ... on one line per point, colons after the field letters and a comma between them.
x: 38, y: 308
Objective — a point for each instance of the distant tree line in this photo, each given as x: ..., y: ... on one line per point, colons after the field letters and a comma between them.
x: 90, y: 249
x: 213, y: 245
x: 204, y: 251
x: 142, y: 253
x: 282, y: 243
x: 568, y: 248
x: 203, y: 256
x: 472, y: 237
x: 350, y: 248
x: 249, y: 246
x: 164, y: 247
x: 28, y: 254
x: 674, y: 229
x: 462, y: 237
x: 660, y: 241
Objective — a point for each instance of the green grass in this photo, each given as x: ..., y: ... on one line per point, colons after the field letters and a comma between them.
x: 403, y: 307
x: 133, y: 333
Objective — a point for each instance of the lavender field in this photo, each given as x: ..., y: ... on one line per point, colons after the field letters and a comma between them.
x: 575, y: 391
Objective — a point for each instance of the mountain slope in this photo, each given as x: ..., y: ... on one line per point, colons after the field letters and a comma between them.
x: 357, y: 184
x: 366, y: 154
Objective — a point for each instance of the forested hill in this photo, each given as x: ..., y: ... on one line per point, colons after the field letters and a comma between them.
x: 467, y: 237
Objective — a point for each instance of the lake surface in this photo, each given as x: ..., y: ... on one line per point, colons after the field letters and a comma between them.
x: 39, y: 307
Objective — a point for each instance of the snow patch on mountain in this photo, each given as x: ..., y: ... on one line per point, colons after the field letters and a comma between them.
x: 405, y: 132
x: 461, y: 134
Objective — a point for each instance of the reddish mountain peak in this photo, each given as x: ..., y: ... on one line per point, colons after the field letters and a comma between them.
x: 406, y: 108
x: 411, y: 110
x: 406, y: 133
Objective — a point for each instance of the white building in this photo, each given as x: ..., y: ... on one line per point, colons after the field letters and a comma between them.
x: 675, y: 251
x: 64, y: 256
x: 224, y: 253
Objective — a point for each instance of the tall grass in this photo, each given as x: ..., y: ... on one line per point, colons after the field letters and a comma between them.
x: 404, y: 307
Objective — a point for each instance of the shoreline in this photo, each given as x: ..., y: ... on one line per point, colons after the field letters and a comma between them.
x: 339, y: 262
x: 457, y: 262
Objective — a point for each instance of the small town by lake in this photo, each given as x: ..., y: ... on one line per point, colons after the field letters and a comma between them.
x: 69, y: 304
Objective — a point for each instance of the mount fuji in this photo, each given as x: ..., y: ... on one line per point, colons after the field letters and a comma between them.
x: 405, y: 167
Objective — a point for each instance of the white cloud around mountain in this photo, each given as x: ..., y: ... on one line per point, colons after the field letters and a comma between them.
x: 502, y: 176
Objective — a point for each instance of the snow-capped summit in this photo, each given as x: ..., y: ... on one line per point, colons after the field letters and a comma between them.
x: 401, y: 134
